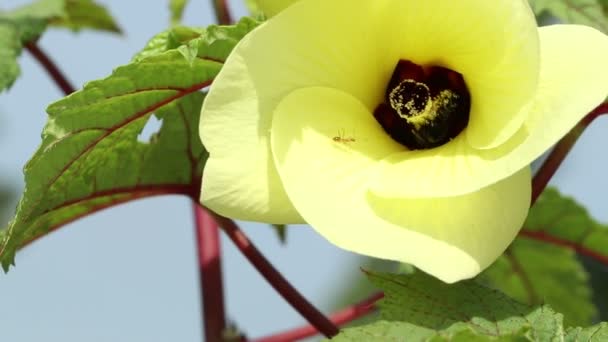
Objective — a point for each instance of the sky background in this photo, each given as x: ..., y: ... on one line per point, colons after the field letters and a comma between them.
x: 130, y: 273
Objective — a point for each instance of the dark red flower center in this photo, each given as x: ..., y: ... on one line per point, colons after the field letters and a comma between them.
x: 424, y: 107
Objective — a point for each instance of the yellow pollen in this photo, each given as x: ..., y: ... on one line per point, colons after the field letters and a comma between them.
x: 444, y: 100
x: 409, y: 111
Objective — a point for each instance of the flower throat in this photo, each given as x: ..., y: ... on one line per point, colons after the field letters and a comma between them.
x: 424, y: 107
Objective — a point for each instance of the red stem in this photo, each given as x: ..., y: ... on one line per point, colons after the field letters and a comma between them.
x: 544, y: 237
x: 210, y: 272
x: 275, y: 278
x: 341, y: 317
x: 222, y: 13
x: 560, y: 152
x: 51, y: 68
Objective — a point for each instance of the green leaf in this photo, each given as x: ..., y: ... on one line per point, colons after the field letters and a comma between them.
x: 90, y: 157
x: 25, y: 24
x: 217, y: 39
x: 384, y: 331
x: 604, y: 4
x: 31, y: 20
x: 560, y: 220
x: 41, y: 9
x: 10, y: 49
x: 72, y: 14
x: 433, y: 308
x: 155, y: 46
x: 595, y: 333
x: 86, y: 14
x: 584, y: 12
x: 551, y: 273
x: 419, y: 307
x: 538, y: 273
x: 177, y: 10
x: 18, y: 27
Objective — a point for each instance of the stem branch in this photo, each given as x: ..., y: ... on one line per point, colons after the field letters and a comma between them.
x: 560, y: 151
x: 341, y: 317
x: 275, y: 278
x: 50, y: 67
x: 222, y: 13
x: 210, y: 272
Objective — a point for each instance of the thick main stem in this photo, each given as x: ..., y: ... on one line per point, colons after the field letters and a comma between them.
x: 560, y: 152
x: 275, y: 278
x: 210, y: 272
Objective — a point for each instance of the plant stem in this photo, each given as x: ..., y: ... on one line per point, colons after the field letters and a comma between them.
x: 222, y: 13
x: 275, y: 278
x: 210, y: 272
x: 50, y: 67
x: 339, y: 318
x: 560, y: 151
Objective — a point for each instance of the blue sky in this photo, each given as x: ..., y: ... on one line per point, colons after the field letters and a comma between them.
x: 129, y: 273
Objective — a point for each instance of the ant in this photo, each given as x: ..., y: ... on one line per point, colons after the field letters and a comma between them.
x: 341, y: 138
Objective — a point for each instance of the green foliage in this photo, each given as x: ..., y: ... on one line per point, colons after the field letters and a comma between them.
x: 86, y: 14
x: 25, y: 24
x: 604, y: 4
x: 435, y: 308
x: 10, y: 49
x: 419, y: 307
x: 18, y: 27
x: 384, y: 331
x: 560, y: 219
x: 41, y: 9
x: 176, y: 7
x: 597, y: 333
x: 218, y: 41
x: 90, y: 157
x: 584, y: 12
x: 537, y: 273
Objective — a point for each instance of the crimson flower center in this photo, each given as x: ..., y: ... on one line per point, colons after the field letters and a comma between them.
x: 424, y: 107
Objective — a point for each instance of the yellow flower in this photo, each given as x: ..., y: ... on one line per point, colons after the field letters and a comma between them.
x: 342, y: 114
x: 272, y: 7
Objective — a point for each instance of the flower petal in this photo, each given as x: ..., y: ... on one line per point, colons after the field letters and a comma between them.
x: 493, y: 44
x: 239, y: 179
x: 573, y: 80
x: 327, y: 180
